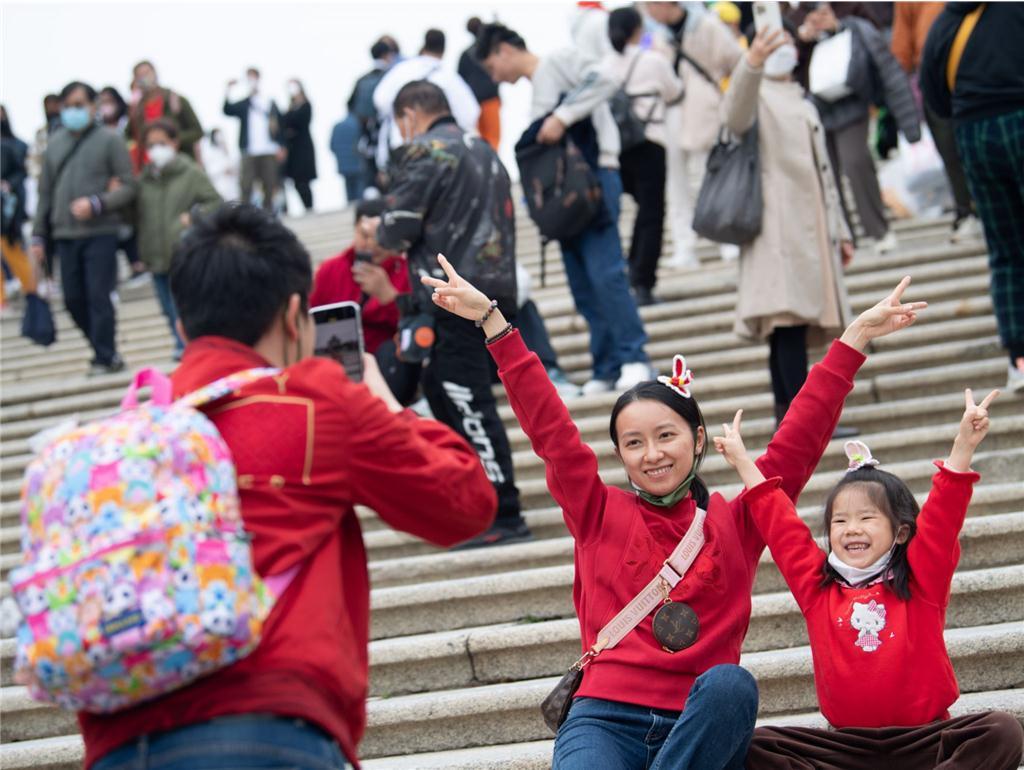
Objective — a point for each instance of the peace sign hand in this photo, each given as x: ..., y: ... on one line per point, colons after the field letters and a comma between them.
x: 730, y: 446
x: 889, y: 315
x: 456, y: 295
x: 974, y: 426
x: 975, y: 423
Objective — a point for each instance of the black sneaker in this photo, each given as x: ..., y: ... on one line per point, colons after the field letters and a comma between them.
x: 97, y: 368
x: 644, y: 297
x: 499, y: 534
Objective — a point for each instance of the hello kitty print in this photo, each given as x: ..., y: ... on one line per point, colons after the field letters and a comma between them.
x: 137, y: 574
x: 868, y: 619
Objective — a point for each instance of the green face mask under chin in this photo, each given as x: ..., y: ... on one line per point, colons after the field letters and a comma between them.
x: 673, y: 497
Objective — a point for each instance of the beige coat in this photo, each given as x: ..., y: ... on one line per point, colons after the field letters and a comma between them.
x: 791, y: 273
x: 713, y: 46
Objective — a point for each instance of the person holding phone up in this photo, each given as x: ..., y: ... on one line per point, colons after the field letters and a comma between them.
x: 376, y: 278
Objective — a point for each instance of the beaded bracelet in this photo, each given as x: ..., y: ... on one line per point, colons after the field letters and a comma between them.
x: 503, y: 333
x: 487, y: 314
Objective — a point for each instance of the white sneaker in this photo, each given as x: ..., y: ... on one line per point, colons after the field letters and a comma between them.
x: 886, y: 243
x: 566, y: 390
x: 593, y: 387
x: 729, y: 252
x: 967, y: 229
x: 137, y: 280
x: 1015, y: 377
x: 683, y: 258
x: 633, y: 374
x: 422, y: 408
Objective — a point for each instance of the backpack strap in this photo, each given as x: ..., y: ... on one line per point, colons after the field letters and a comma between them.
x: 956, y: 52
x: 225, y: 386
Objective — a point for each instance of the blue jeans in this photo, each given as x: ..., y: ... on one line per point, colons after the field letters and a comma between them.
x: 162, y: 286
x: 712, y: 733
x: 237, y: 742
x: 596, y: 271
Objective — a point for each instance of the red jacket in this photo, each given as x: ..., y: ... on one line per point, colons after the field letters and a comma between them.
x: 308, y: 446
x: 334, y: 283
x: 621, y: 541
x: 879, y: 661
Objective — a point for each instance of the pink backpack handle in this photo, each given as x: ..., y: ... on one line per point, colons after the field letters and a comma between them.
x: 152, y: 378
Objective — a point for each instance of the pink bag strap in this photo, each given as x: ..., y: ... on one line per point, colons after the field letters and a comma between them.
x: 654, y: 593
x: 151, y: 378
x: 278, y: 584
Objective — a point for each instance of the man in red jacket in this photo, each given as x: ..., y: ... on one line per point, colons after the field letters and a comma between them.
x: 308, y: 445
x: 378, y: 280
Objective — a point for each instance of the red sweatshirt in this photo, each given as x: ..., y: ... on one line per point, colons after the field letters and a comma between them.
x: 879, y: 661
x: 621, y: 541
x: 308, y: 446
x: 334, y: 283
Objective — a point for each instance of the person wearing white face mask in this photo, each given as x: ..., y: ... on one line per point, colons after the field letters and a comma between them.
x: 170, y: 186
x: 300, y: 158
x: 790, y: 283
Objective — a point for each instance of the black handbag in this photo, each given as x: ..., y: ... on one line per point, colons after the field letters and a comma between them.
x: 731, y: 204
x: 37, y: 323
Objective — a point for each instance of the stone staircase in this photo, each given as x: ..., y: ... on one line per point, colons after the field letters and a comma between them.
x: 465, y: 645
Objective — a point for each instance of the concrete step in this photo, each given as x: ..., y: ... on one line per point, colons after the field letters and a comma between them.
x: 985, y: 658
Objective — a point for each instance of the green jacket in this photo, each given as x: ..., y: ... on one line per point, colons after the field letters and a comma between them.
x: 163, y: 197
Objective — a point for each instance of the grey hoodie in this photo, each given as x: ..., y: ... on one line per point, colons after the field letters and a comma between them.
x: 101, y: 158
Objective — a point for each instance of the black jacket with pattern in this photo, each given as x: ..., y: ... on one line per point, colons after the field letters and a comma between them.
x: 451, y: 194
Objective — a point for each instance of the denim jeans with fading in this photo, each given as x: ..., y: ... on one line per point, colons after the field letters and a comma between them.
x: 712, y: 733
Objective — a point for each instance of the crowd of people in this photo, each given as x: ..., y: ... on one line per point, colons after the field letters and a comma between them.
x: 446, y: 314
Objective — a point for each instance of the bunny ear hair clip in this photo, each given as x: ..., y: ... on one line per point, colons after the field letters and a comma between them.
x: 859, y: 455
x: 681, y: 377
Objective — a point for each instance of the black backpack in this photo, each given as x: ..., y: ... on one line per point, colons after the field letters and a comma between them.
x: 632, y: 130
x: 562, y: 192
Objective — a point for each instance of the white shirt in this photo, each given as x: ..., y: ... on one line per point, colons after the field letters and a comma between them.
x: 464, y: 106
x: 260, y: 142
x: 586, y: 93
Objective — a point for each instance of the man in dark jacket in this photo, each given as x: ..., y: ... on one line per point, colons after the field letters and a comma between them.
x: 983, y: 92
x: 155, y: 103
x: 875, y: 77
x: 77, y: 208
x: 258, y: 136
x: 360, y: 104
x: 451, y: 195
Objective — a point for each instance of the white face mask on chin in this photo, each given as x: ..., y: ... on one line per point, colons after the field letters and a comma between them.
x: 857, y: 576
x: 781, y: 61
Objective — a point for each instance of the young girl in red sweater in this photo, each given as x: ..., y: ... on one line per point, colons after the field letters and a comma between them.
x: 641, y: 705
x: 875, y: 608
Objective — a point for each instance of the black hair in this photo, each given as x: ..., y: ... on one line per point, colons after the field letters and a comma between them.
x: 422, y: 95
x: 160, y: 124
x: 50, y: 98
x: 74, y: 85
x: 473, y: 25
x: 391, y: 43
x: 113, y: 93
x: 687, y: 408
x: 379, y: 50
x: 893, y: 498
x: 234, y: 271
x: 370, y: 208
x: 491, y: 36
x: 434, y: 42
x: 622, y: 25
x: 143, y: 63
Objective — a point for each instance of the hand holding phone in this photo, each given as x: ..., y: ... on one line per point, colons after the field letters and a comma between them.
x: 339, y: 335
x: 767, y: 17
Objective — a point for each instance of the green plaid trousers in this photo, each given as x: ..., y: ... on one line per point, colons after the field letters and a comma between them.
x: 992, y: 153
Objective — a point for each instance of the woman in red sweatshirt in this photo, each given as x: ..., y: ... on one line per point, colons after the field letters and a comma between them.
x: 875, y: 608
x: 640, y: 705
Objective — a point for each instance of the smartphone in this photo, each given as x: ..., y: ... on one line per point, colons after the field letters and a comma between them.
x: 767, y: 16
x: 339, y: 335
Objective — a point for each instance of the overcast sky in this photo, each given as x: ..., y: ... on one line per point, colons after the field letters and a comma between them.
x: 198, y: 47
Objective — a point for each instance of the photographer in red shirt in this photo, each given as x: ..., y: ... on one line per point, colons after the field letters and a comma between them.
x: 309, y: 444
x: 377, y: 279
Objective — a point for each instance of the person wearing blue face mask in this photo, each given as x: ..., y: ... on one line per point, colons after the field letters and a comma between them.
x: 86, y: 179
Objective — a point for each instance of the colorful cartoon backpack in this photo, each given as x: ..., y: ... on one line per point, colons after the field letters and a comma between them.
x: 138, y: 576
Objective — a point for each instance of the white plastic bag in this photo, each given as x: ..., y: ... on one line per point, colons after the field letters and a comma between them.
x: 916, y: 177
x: 830, y: 67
